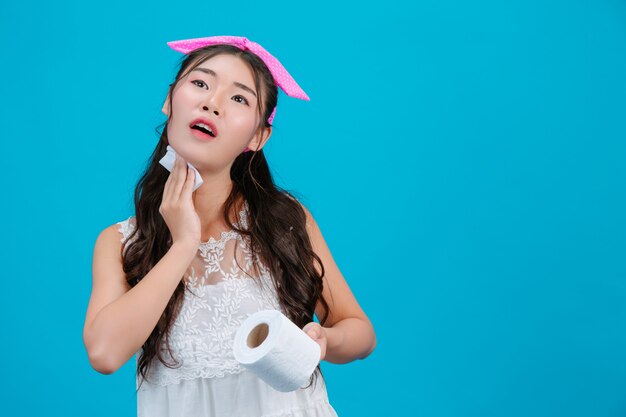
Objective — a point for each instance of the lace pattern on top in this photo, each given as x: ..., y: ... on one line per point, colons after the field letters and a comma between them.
x: 221, y: 292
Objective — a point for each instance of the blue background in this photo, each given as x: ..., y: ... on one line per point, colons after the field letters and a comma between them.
x: 464, y: 160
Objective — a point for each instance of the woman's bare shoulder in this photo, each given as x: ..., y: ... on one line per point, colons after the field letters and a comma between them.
x: 120, y: 229
x: 112, y: 237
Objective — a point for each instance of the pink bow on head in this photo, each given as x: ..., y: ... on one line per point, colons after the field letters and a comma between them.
x: 280, y: 74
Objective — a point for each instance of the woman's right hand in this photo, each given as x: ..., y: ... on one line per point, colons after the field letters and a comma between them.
x: 177, y: 208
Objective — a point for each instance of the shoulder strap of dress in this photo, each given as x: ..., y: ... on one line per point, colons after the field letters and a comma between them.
x: 126, y: 227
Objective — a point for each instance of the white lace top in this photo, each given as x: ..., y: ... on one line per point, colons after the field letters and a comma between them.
x: 219, y: 296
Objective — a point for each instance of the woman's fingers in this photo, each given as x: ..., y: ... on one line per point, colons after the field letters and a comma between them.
x: 180, y: 182
x: 178, y: 178
x: 167, y: 190
x: 181, y: 179
x: 188, y: 186
x: 177, y: 208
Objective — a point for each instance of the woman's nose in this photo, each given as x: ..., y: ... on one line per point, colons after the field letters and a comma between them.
x: 212, y: 103
x: 215, y: 111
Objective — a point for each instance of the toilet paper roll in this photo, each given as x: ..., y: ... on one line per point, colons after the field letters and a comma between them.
x: 168, y: 162
x: 276, y: 350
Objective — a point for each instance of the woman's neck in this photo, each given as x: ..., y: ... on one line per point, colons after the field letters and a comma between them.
x: 209, y: 200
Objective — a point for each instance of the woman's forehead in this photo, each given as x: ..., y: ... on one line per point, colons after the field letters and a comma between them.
x: 226, y: 65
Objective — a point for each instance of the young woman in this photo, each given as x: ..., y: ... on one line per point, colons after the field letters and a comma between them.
x: 173, y: 283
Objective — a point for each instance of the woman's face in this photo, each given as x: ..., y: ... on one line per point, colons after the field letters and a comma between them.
x: 221, y: 92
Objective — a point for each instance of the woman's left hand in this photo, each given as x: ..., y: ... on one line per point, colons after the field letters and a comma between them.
x: 317, y: 333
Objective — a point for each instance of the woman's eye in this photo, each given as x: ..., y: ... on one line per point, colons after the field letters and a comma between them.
x: 198, y: 81
x: 245, y: 101
x: 237, y: 98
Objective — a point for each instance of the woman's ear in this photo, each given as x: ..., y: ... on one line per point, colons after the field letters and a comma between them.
x: 260, y: 139
x: 166, y: 105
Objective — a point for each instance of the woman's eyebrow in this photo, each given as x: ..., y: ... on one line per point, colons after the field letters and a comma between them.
x: 211, y: 72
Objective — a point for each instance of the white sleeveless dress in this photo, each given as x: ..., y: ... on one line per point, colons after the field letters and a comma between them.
x: 210, y: 382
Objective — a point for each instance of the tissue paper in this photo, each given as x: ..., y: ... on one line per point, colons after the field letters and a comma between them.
x: 168, y: 162
x: 276, y: 350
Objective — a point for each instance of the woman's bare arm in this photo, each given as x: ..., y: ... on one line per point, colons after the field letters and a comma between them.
x: 119, y: 319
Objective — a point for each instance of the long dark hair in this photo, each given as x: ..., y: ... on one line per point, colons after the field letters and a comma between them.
x: 278, y: 234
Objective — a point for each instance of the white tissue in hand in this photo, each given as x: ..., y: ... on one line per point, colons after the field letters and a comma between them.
x: 168, y: 162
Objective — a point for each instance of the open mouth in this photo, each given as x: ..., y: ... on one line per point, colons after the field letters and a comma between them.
x: 201, y: 127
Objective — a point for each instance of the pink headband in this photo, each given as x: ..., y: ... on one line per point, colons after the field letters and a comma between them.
x: 280, y: 74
